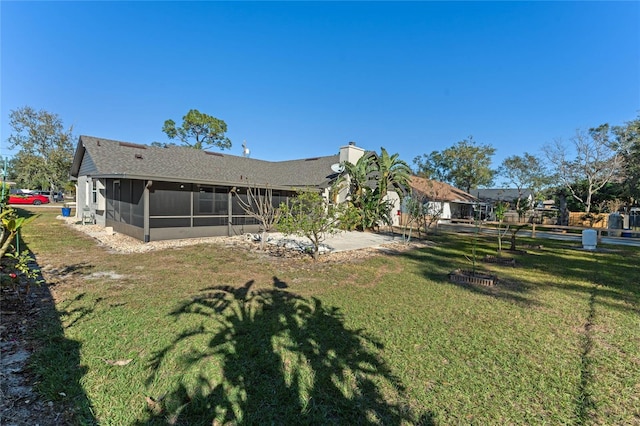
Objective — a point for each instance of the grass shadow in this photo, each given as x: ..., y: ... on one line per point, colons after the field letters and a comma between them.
x: 436, y: 262
x: 614, y: 270
x: 283, y: 359
x: 54, y: 359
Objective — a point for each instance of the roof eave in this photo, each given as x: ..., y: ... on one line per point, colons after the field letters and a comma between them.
x: 193, y: 181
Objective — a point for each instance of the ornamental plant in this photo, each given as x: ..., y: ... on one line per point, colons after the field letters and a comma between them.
x: 16, y: 267
x: 309, y: 215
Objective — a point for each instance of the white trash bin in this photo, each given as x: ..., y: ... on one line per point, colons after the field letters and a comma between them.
x: 589, y: 239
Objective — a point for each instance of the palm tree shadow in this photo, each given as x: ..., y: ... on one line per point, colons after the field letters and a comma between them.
x: 54, y: 363
x: 283, y: 358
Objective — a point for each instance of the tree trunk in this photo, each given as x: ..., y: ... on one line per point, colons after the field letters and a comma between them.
x: 564, y: 214
x: 587, y: 204
x: 263, y: 240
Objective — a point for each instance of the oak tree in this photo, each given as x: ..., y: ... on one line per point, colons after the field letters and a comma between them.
x: 45, y: 148
x: 465, y: 165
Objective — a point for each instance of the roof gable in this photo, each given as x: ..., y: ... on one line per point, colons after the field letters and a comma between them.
x: 439, y: 191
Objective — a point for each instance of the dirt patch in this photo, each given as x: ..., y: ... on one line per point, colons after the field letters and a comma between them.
x: 19, y: 403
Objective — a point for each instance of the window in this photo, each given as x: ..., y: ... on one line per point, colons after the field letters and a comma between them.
x: 204, y: 204
x: 94, y: 191
x: 211, y: 200
x: 170, y: 199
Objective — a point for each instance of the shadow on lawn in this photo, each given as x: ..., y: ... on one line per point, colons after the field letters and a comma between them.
x: 435, y: 264
x: 55, y: 360
x: 615, y: 271
x: 284, y: 359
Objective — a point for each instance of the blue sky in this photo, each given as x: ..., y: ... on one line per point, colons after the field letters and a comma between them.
x: 300, y: 79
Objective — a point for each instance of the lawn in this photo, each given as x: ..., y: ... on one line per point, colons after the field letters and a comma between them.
x: 212, y: 334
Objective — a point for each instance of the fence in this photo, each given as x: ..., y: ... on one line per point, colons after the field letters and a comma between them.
x: 591, y: 220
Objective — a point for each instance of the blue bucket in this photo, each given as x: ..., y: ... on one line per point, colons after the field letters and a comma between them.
x: 66, y: 211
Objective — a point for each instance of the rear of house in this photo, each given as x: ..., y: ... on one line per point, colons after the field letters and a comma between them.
x: 158, y: 193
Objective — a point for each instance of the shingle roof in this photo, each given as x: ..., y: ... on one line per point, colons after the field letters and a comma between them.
x: 112, y: 158
x: 499, y: 194
x: 440, y: 191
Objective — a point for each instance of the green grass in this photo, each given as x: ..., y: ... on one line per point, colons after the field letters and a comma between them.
x: 220, y: 334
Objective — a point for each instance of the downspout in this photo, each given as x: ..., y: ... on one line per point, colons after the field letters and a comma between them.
x: 145, y: 202
x: 229, y: 212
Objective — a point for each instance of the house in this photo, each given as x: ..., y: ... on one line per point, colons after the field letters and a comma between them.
x: 449, y: 201
x: 157, y: 193
x: 493, y: 196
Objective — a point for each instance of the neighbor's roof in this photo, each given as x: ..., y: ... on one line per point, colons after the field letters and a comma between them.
x: 440, y: 191
x: 106, y: 158
x: 500, y: 194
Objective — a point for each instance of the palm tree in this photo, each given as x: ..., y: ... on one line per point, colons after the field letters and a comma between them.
x: 360, y: 175
x: 370, y: 179
x: 393, y: 174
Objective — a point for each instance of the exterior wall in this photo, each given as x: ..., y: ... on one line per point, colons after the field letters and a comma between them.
x: 395, y: 200
x: 99, y: 207
x: 157, y: 234
x: 81, y: 194
x: 446, y: 210
x: 351, y: 153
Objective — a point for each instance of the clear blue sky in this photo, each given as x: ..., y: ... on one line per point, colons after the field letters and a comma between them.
x: 300, y: 79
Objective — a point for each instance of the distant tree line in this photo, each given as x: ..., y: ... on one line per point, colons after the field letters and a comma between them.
x: 596, y: 170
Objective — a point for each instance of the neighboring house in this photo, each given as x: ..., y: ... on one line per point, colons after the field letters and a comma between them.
x: 453, y: 203
x: 158, y: 193
x: 493, y: 196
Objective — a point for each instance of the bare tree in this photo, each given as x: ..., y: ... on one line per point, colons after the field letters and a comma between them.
x: 259, y: 205
x: 424, y: 205
x: 594, y: 161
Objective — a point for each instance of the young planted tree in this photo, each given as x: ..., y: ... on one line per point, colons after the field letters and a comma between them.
x: 309, y: 215
x: 500, y: 210
x: 413, y: 214
x: 46, y: 150
x: 429, y: 194
x: 16, y: 265
x: 594, y: 160
x: 421, y: 211
x: 259, y: 205
x: 199, y: 131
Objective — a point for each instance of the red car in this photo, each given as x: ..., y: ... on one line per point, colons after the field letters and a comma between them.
x: 24, y: 198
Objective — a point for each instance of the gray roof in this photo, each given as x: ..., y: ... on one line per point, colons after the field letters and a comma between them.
x: 499, y: 194
x: 104, y: 158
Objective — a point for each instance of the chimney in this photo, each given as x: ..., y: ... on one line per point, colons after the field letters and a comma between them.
x: 351, y: 153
